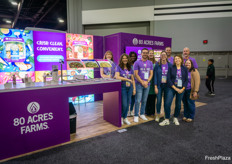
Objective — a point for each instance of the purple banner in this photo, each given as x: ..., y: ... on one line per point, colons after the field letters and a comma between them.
x: 49, y: 48
x: 119, y: 41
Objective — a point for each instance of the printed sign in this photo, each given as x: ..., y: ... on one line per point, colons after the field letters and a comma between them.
x: 49, y: 49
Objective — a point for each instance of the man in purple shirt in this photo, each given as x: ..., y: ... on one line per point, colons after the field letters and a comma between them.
x: 168, y: 50
x: 186, y: 56
x: 143, y: 71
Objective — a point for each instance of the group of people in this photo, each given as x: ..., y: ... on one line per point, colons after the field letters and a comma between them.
x: 146, y: 81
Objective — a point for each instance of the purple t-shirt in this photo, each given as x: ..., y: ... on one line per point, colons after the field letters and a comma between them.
x: 194, y: 62
x: 171, y: 59
x: 124, y: 73
x: 164, y: 73
x: 143, y: 68
x: 178, y: 76
x: 189, y: 81
x: 110, y: 70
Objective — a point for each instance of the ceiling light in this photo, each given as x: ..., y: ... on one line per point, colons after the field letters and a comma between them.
x: 14, y: 3
x: 61, y: 20
x: 8, y: 21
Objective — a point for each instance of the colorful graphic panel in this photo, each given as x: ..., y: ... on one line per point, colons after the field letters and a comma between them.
x: 7, y: 76
x: 16, y: 50
x: 39, y: 75
x: 88, y: 72
x: 79, y: 46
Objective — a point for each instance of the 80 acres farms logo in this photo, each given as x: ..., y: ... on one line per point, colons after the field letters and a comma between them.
x: 34, y: 123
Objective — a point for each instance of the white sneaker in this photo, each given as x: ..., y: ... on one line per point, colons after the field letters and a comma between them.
x: 164, y: 122
x: 175, y: 121
x: 143, y: 117
x: 157, y: 119
x: 126, y: 121
x: 122, y: 121
x: 136, y: 119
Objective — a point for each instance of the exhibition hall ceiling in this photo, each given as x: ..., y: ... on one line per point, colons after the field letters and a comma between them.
x: 50, y: 14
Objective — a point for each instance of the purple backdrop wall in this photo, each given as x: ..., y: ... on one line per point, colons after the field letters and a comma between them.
x: 118, y: 42
x: 98, y: 54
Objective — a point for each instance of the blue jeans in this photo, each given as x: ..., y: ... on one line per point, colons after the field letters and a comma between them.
x: 126, y: 97
x: 141, y: 96
x: 162, y: 90
x: 171, y: 94
x: 189, y: 105
x: 132, y: 102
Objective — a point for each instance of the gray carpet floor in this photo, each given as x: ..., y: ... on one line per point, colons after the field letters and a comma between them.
x: 209, y: 135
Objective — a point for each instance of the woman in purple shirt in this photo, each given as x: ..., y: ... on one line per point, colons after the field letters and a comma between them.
x: 133, y: 57
x: 108, y: 72
x: 177, y: 81
x: 125, y: 73
x: 160, y: 82
x: 191, y: 92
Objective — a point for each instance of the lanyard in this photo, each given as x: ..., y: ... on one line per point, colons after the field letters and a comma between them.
x: 144, y: 64
x: 179, y: 73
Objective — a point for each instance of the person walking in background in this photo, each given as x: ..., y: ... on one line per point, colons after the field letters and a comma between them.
x: 177, y: 82
x: 133, y: 57
x: 210, y: 77
x: 125, y: 73
x: 191, y: 91
x: 150, y: 106
x: 143, y: 71
x: 160, y: 82
x: 186, y: 53
x: 168, y: 51
x: 108, y: 72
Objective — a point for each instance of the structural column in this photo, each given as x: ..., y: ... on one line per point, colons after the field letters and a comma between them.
x: 74, y: 16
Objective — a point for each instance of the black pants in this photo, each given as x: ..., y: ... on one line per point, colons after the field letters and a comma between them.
x: 150, y: 106
x: 210, y: 85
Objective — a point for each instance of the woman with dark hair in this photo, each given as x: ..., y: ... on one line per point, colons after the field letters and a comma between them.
x: 125, y: 73
x: 160, y: 82
x: 108, y: 72
x: 133, y: 57
x: 150, y: 106
x: 191, y: 92
x: 177, y: 81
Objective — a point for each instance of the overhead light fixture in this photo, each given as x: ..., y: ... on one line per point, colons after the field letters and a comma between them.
x: 8, y: 21
x: 14, y: 3
x: 60, y: 20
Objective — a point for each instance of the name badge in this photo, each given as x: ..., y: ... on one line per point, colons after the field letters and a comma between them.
x: 146, y: 75
x: 179, y: 83
x: 127, y: 84
x: 164, y: 79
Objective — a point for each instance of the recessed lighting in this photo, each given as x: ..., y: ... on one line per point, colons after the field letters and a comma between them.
x: 8, y: 21
x: 14, y: 3
x: 60, y: 20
